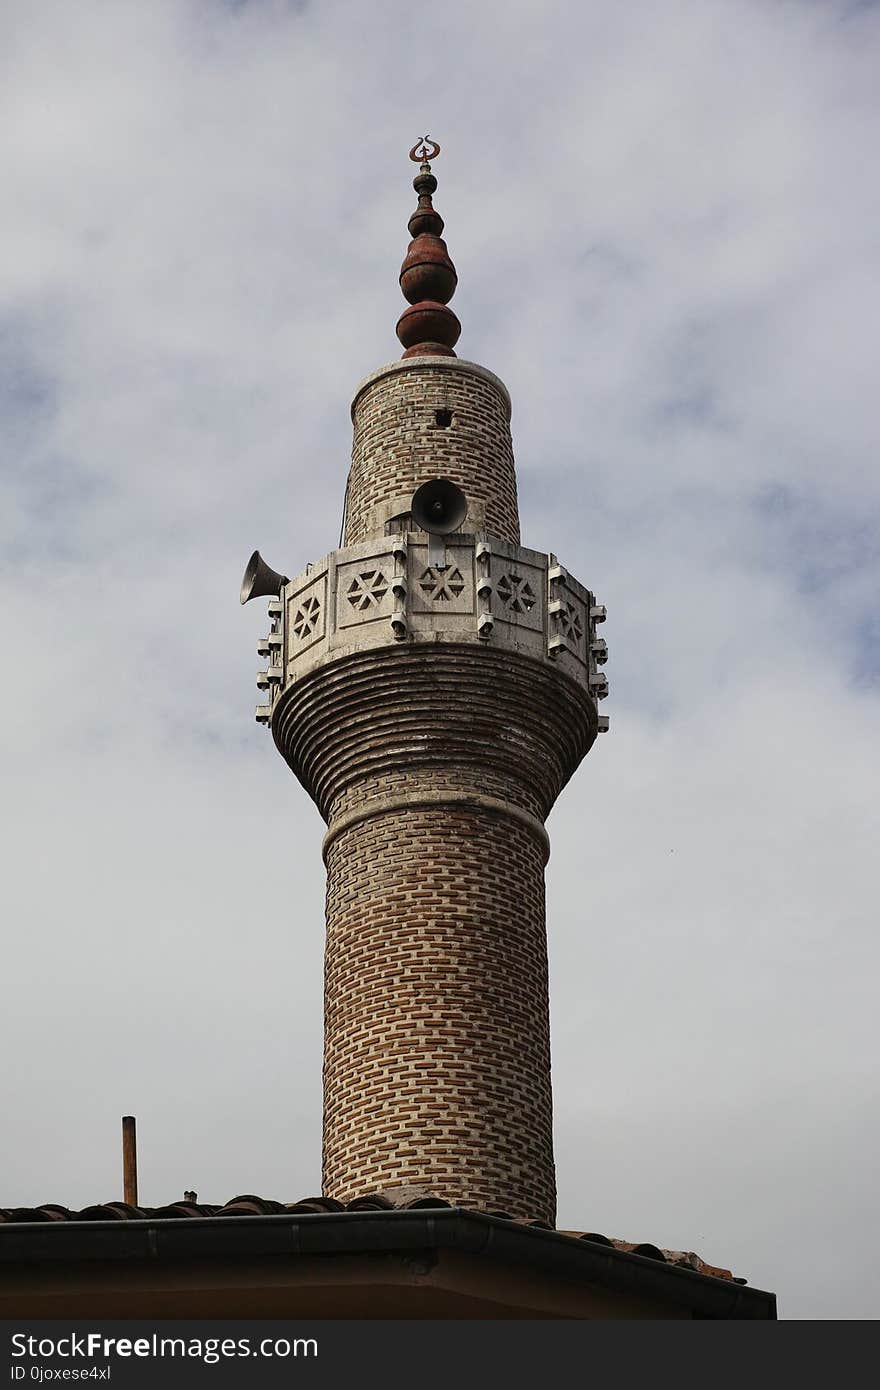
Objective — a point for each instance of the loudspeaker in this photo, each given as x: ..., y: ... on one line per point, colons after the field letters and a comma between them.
x: 439, y: 507
x: 260, y: 578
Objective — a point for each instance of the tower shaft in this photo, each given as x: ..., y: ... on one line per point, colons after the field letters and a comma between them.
x: 437, y: 1049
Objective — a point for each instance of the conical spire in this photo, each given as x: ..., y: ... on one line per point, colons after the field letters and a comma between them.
x: 427, y: 276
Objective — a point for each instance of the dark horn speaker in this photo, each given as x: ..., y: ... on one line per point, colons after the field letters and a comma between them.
x: 260, y: 578
x: 439, y: 507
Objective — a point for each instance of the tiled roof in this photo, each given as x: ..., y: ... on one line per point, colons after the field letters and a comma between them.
x: 248, y: 1205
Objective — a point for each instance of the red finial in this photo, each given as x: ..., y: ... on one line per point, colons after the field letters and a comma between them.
x: 427, y: 276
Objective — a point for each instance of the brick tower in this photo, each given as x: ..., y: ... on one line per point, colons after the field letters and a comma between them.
x: 433, y: 685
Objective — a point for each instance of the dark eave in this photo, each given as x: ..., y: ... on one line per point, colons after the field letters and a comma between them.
x: 472, y: 1234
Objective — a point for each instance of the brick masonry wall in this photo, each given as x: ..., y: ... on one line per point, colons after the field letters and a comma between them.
x: 398, y: 444
x: 437, y: 1049
x: 437, y: 1066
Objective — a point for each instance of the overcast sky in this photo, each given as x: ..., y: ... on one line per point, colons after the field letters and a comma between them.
x: 664, y: 218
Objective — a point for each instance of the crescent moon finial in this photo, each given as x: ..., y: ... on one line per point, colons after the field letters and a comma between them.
x: 424, y: 150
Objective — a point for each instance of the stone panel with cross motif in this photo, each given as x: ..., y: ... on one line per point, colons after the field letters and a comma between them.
x: 306, y: 614
x: 441, y: 589
x: 363, y: 590
x: 518, y: 592
x: 569, y: 621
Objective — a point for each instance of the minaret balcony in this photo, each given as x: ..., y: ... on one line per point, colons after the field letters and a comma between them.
x: 390, y: 591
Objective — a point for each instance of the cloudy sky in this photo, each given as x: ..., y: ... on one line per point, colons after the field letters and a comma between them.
x: 664, y: 218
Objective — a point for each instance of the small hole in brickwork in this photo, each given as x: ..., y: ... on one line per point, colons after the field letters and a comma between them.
x: 443, y: 418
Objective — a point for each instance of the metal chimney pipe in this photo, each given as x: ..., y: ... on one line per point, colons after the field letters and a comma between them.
x: 129, y: 1160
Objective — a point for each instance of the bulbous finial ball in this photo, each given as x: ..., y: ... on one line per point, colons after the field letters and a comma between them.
x: 425, y: 220
x: 428, y: 329
x: 427, y: 276
x: 427, y: 272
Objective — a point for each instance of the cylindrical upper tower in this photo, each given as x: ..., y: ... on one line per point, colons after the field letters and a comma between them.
x: 433, y: 685
x: 430, y: 417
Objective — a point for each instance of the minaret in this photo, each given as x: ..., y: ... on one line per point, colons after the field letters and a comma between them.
x: 433, y: 684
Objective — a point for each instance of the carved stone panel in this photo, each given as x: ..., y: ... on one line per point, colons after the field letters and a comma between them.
x: 306, y: 615
x: 363, y: 590
x: 518, y: 593
x: 570, y: 622
x: 445, y: 589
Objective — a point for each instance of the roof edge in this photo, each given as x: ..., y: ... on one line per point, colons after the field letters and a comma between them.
x: 361, y: 1232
